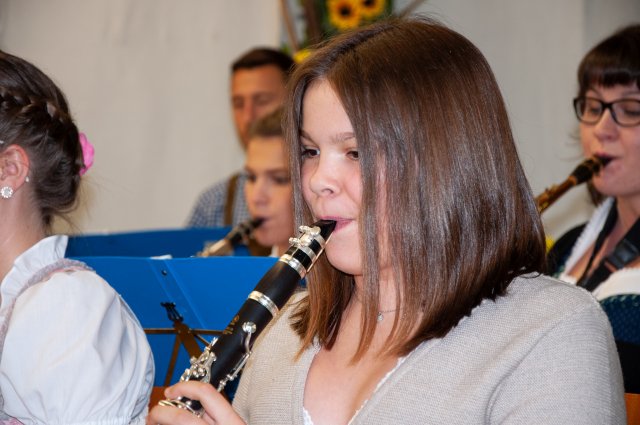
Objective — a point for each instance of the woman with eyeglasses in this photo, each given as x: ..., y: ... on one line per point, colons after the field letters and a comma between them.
x: 603, y: 254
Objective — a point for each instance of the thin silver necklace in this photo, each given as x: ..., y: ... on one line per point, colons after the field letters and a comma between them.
x: 381, y: 313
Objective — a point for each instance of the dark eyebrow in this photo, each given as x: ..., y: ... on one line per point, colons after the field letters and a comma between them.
x: 304, y: 135
x: 339, y: 138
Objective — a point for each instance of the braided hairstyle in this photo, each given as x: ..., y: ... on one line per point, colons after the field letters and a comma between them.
x: 34, y: 115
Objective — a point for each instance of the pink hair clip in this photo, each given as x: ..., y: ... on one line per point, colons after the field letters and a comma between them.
x: 87, y: 153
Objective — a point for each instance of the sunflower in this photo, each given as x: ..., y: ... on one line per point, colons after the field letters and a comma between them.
x: 371, y: 9
x: 549, y: 243
x: 301, y: 55
x: 344, y: 14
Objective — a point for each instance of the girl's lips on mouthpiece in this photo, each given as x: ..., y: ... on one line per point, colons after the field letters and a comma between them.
x: 340, y: 222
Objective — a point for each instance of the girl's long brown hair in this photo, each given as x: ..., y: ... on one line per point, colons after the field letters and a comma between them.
x: 429, y: 117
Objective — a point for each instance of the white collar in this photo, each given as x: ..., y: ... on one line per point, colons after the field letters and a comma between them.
x: 623, y: 281
x: 46, y: 251
x: 589, y: 234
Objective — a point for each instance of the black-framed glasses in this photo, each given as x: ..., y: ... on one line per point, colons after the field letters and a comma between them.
x: 625, y: 112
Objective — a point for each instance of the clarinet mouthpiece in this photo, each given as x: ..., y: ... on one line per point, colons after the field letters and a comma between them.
x: 256, y: 222
x: 326, y: 227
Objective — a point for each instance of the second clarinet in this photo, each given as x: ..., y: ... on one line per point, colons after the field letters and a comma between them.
x: 224, y: 358
x: 239, y: 234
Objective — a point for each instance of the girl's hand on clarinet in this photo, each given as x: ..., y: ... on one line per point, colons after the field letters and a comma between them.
x: 217, y: 409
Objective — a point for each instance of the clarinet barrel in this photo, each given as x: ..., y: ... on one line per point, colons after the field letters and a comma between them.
x: 223, y: 359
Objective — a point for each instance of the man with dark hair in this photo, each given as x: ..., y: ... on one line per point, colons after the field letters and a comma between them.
x: 258, y: 80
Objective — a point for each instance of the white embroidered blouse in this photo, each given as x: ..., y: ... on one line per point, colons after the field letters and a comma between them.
x: 74, y: 352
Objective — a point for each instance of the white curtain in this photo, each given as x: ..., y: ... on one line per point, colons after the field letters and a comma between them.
x: 148, y: 83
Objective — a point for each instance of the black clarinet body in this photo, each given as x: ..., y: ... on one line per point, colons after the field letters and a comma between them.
x: 224, y: 358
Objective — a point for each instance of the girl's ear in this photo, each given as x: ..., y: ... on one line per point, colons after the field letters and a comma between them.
x: 14, y: 167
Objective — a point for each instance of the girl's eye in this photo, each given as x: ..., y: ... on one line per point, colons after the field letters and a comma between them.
x: 309, y: 153
x: 251, y: 177
x: 281, y: 180
x: 353, y: 154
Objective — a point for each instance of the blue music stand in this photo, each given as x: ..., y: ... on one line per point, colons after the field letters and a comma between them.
x: 177, y: 243
x: 205, y: 294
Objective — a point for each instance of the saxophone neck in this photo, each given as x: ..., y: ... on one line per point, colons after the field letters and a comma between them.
x: 581, y: 174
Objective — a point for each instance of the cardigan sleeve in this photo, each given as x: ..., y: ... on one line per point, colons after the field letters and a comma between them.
x: 558, y: 382
x: 75, y: 354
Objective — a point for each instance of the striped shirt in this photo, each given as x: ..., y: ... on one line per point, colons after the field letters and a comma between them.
x: 210, y: 207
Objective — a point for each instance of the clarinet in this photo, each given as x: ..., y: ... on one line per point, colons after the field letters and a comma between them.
x: 238, y: 234
x: 223, y: 359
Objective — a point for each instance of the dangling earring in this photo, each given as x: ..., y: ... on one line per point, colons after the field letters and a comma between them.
x: 6, y: 192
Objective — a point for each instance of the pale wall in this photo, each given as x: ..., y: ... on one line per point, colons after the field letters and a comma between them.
x: 148, y: 82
